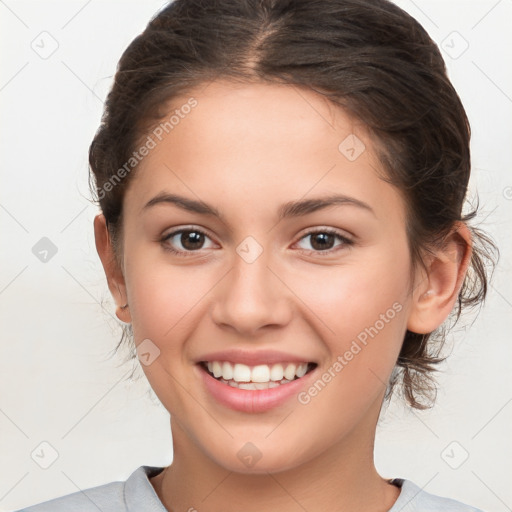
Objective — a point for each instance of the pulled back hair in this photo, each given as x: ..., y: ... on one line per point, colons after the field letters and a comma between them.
x: 368, y: 57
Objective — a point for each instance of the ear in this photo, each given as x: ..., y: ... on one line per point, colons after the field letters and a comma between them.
x: 437, y: 288
x: 114, y: 274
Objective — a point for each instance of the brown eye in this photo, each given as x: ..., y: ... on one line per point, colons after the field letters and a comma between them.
x: 324, y: 241
x: 191, y: 240
x: 185, y: 240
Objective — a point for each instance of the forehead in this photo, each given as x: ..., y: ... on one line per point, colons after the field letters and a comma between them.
x: 259, y: 113
x: 259, y: 140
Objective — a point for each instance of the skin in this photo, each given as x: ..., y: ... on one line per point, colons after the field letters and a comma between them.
x: 246, y: 149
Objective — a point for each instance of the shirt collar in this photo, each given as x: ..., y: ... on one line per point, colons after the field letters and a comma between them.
x: 139, y: 493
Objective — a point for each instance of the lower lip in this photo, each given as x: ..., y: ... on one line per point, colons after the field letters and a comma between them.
x: 252, y: 401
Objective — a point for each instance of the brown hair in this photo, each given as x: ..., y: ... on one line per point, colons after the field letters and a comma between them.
x: 369, y: 57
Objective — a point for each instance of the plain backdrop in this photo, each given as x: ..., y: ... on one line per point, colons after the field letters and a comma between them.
x: 65, y: 402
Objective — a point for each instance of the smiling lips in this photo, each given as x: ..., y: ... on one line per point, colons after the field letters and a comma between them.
x: 257, y: 377
x: 241, y: 381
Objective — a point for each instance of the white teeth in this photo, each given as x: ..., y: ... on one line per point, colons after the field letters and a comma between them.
x: 289, y: 371
x: 260, y: 373
x: 247, y: 385
x: 276, y: 372
x: 264, y: 375
x: 241, y: 373
x: 217, y: 369
x: 227, y: 371
x: 254, y: 385
x: 301, y: 370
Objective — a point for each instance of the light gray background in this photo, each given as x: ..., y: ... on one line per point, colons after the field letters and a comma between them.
x: 57, y: 383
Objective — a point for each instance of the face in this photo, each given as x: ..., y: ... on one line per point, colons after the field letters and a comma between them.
x: 260, y: 274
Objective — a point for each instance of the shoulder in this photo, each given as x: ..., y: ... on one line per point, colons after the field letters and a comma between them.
x: 108, y: 498
x: 120, y: 496
x: 414, y: 499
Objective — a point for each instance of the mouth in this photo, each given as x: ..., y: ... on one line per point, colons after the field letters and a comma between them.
x: 259, y: 377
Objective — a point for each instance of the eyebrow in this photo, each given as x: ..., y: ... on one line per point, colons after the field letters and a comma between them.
x: 286, y: 210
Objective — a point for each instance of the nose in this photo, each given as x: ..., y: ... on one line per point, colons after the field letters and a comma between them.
x: 252, y: 296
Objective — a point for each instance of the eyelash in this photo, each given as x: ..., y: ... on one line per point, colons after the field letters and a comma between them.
x: 345, y: 241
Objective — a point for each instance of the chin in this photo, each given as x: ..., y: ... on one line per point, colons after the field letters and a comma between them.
x: 257, y: 458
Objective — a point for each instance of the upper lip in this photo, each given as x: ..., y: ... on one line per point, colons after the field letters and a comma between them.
x: 253, y: 358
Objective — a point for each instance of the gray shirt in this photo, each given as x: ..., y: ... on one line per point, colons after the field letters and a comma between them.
x: 137, y: 494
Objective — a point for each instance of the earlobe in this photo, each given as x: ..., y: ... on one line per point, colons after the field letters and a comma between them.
x: 437, y: 288
x: 115, y: 278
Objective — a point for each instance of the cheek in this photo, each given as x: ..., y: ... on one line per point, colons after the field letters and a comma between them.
x: 352, y: 297
x: 364, y: 307
x: 368, y: 320
x: 164, y: 298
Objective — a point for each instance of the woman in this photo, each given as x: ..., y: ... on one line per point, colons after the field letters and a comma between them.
x: 281, y: 186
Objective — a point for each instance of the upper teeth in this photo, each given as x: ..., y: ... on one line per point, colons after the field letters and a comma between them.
x: 260, y: 373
